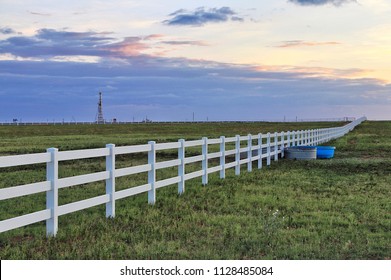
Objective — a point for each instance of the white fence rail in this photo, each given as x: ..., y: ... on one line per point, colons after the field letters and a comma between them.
x: 268, y: 146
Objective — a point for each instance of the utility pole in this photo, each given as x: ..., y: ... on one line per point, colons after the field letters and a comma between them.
x: 100, y: 118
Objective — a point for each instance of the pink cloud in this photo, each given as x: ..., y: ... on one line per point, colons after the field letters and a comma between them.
x: 300, y: 43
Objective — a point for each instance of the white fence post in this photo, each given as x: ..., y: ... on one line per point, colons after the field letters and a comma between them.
x: 282, y: 144
x: 311, y: 137
x: 110, y: 182
x: 152, y: 173
x: 249, y: 154
x: 260, y: 150
x: 181, y: 166
x: 318, y: 140
x: 275, y: 146
x: 52, y: 195
x: 299, y: 137
x: 268, y: 149
x: 288, y: 139
x: 294, y: 138
x: 307, y: 137
x: 320, y: 137
x: 222, y: 157
x: 237, y: 155
x: 205, y: 161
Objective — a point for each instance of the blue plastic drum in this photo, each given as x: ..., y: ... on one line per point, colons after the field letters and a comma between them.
x: 324, y: 151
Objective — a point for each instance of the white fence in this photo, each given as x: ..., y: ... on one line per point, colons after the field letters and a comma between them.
x: 268, y: 146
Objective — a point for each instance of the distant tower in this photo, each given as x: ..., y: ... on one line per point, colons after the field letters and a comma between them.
x: 100, y: 118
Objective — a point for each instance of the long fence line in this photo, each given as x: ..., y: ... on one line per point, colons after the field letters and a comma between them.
x: 268, y: 146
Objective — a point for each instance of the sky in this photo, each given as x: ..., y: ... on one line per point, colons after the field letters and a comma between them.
x: 217, y: 60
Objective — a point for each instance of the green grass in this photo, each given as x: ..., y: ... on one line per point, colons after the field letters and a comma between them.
x: 323, y: 209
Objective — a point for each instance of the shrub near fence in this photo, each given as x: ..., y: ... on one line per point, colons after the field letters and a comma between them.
x: 268, y: 146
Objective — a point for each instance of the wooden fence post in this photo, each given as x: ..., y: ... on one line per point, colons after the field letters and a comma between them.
x: 205, y: 161
x: 52, y: 194
x: 260, y: 150
x: 249, y: 154
x: 237, y: 155
x: 181, y: 166
x: 152, y: 173
x: 222, y: 157
x: 110, y: 182
x: 282, y: 144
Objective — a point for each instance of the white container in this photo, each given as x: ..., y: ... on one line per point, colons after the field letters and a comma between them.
x: 304, y: 152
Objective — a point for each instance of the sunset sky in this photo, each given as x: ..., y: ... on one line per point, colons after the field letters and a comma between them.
x: 222, y: 60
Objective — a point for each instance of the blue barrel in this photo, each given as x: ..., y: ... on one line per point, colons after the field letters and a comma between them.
x: 324, y: 151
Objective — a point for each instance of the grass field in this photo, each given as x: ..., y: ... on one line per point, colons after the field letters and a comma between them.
x: 323, y: 209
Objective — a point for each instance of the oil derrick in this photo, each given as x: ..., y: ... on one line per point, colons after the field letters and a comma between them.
x: 99, y: 118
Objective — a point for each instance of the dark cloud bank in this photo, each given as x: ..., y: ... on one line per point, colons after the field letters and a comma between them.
x: 6, y: 30
x: 202, y: 16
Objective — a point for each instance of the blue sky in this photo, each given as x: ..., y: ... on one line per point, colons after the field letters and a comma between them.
x: 222, y: 60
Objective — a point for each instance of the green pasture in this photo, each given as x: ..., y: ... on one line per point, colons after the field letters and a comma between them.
x: 323, y: 209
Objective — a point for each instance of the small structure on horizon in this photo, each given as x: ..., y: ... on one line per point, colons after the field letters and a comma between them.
x: 99, y: 115
x: 146, y: 120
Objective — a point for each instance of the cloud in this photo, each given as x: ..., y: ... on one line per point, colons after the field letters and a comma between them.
x: 153, y: 37
x: 7, y: 30
x: 61, y: 84
x: 202, y: 16
x: 300, y: 43
x: 48, y: 43
x: 129, y: 46
x: 170, y: 88
x: 192, y: 43
x: 51, y: 43
x: 40, y: 14
x: 320, y: 2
